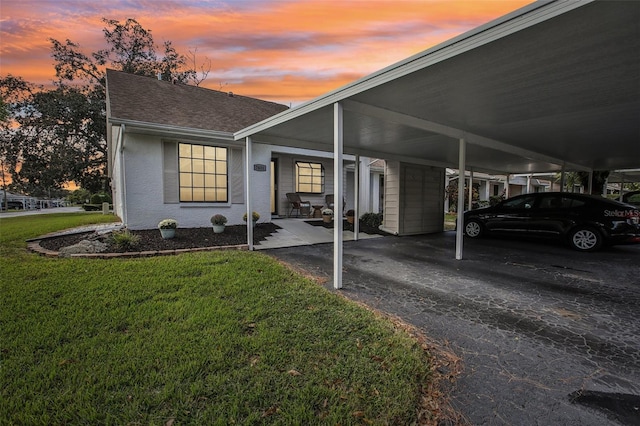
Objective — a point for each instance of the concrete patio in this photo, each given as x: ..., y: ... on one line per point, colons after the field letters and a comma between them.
x: 295, y: 232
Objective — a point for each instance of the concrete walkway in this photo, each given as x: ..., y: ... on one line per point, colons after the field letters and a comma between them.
x: 547, y: 336
x: 295, y: 233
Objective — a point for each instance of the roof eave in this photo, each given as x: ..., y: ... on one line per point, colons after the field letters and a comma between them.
x: 165, y: 129
x: 515, y: 21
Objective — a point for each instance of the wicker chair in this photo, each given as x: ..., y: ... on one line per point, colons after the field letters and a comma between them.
x: 303, y: 207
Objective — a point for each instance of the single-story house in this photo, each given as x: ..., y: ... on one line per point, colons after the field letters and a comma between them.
x: 172, y: 154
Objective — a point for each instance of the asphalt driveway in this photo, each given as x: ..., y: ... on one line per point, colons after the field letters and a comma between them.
x: 546, y: 335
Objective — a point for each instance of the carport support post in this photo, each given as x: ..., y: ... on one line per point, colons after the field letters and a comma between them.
x: 460, y: 219
x: 470, y: 205
x: 590, y: 187
x: 356, y: 197
x: 338, y: 191
x: 248, y: 193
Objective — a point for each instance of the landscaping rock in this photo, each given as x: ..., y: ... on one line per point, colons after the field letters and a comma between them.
x: 83, y: 247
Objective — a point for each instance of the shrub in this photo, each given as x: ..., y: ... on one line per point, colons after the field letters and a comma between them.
x: 218, y: 219
x: 350, y: 213
x: 125, y: 240
x: 168, y: 224
x: 373, y: 220
x: 96, y: 199
x: 327, y: 212
x: 254, y: 216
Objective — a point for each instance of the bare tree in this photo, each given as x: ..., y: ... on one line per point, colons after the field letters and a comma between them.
x: 204, y: 68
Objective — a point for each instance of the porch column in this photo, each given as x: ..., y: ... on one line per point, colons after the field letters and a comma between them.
x: 470, y: 205
x: 506, y: 187
x: 248, y: 193
x: 460, y: 219
x: 446, y: 185
x: 338, y: 191
x: 356, y: 196
x: 528, y: 184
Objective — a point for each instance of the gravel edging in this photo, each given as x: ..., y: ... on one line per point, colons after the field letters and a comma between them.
x: 34, y: 246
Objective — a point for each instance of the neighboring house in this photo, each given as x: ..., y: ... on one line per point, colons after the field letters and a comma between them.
x: 172, y: 155
x: 492, y: 185
x: 19, y: 201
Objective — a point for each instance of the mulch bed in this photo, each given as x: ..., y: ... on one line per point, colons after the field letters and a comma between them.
x: 346, y: 226
x: 150, y: 239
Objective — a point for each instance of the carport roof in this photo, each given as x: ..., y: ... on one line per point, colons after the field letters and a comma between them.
x: 554, y: 84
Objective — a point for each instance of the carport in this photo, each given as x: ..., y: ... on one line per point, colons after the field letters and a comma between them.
x: 551, y: 87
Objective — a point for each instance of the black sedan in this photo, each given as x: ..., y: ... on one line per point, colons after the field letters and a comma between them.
x: 632, y: 198
x: 586, y: 222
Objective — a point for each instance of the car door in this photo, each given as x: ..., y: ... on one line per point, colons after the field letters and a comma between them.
x: 555, y: 214
x: 512, y: 216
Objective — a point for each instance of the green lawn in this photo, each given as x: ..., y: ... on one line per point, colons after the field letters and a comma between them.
x: 209, y: 338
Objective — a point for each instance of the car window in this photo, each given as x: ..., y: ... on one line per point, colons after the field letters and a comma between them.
x: 519, y: 203
x: 559, y: 202
x: 576, y: 203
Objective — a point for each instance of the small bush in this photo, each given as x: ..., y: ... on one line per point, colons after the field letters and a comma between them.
x: 218, y: 219
x: 373, y: 220
x: 168, y: 224
x: 254, y: 216
x: 125, y: 240
x: 96, y: 199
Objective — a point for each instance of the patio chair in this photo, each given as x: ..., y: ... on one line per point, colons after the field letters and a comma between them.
x: 303, y: 207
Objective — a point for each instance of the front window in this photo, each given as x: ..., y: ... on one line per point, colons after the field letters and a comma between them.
x: 203, y: 173
x: 309, y: 177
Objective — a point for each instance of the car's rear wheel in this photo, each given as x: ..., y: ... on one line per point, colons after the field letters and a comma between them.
x: 585, y: 239
x: 473, y: 229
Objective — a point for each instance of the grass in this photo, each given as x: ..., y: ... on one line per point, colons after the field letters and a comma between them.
x: 450, y: 221
x: 205, y: 338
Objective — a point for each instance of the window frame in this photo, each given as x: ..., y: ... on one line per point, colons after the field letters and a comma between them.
x: 298, y: 166
x: 209, y: 179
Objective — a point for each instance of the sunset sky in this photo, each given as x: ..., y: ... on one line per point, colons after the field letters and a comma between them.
x: 287, y: 51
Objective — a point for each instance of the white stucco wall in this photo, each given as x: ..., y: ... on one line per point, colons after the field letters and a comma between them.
x: 144, y: 188
x: 138, y: 193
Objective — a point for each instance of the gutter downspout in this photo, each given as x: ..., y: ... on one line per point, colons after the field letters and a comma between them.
x: 123, y: 174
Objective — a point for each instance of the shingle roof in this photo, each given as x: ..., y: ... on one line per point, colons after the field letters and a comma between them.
x: 146, y: 99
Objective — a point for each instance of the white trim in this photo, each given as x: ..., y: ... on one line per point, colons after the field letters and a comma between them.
x: 249, y: 204
x: 338, y: 191
x: 172, y: 131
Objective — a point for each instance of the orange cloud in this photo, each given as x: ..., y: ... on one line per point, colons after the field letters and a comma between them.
x: 287, y: 51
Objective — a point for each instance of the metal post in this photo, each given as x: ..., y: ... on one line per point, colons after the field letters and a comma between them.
x: 460, y: 218
x: 506, y: 187
x: 470, y: 206
x: 338, y: 193
x: 249, y: 160
x: 356, y: 195
x: 590, y: 187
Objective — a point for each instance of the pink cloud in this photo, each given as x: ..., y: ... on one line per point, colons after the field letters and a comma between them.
x: 287, y: 51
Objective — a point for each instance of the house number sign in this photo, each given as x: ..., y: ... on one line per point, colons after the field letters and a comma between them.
x: 260, y: 167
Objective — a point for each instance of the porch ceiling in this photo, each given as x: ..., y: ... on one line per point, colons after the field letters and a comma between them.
x: 552, y: 84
